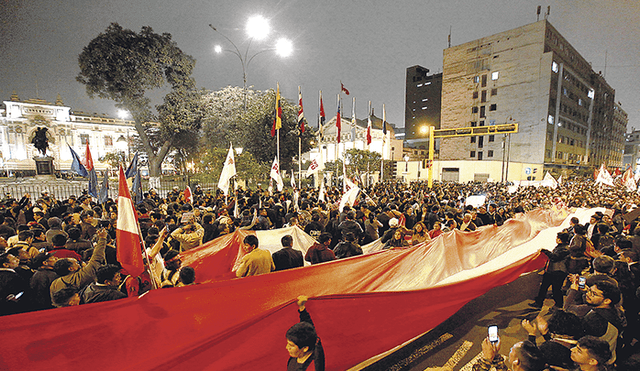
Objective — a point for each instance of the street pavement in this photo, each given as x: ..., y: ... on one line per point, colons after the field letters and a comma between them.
x: 456, y: 342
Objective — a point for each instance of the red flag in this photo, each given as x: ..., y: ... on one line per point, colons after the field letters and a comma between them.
x: 342, y: 88
x: 188, y: 196
x: 88, y: 159
x: 321, y: 116
x: 129, y: 252
x: 300, y: 112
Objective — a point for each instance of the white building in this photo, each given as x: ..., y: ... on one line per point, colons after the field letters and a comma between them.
x: 355, y: 137
x: 20, y: 119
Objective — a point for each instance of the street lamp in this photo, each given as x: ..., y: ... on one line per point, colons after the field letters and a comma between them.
x: 258, y: 28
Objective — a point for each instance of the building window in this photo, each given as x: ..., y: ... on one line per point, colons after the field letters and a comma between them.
x: 472, y: 140
x: 475, y: 95
x: 492, y: 138
x: 476, y: 79
x: 554, y: 67
x: 482, y: 111
x: 474, y: 109
x: 484, y: 96
x: 108, y: 141
x: 473, y: 123
x: 493, y: 107
x: 550, y: 119
x: 84, y: 139
x: 472, y: 154
x: 494, y: 91
x: 425, y: 107
x: 480, y: 142
x: 481, y: 123
x: 494, y: 75
x: 479, y: 156
x: 489, y: 153
x: 484, y: 80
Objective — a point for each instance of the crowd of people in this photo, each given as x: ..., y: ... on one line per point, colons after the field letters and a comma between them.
x: 58, y: 253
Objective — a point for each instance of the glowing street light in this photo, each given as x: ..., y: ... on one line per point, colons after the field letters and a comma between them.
x: 123, y: 114
x: 257, y: 28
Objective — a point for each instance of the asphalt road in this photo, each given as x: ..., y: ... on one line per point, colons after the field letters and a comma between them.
x: 456, y: 342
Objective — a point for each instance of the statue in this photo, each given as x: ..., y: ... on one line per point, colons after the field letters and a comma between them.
x: 40, y: 140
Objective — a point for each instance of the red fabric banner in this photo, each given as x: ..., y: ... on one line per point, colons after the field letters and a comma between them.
x: 360, y: 306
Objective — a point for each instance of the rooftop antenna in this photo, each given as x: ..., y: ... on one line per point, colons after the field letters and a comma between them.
x: 605, y: 63
x: 546, y: 15
x: 538, y: 13
x: 449, y: 39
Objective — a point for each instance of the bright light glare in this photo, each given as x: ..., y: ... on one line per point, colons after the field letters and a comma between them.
x: 424, y: 130
x: 258, y: 27
x: 218, y: 49
x: 123, y: 114
x: 284, y: 47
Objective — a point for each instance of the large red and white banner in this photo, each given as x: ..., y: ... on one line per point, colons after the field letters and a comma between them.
x: 361, y: 306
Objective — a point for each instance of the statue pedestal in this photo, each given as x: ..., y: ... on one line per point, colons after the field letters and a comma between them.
x: 44, y: 167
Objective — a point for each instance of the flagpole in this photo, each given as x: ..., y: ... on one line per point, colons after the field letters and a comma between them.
x: 384, y: 139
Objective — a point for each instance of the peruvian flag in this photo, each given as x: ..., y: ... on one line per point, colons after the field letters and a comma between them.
x: 188, y: 196
x: 321, y: 116
x: 369, y: 129
x: 129, y: 252
x: 300, y: 112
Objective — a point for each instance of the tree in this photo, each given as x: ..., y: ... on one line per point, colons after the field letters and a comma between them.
x: 226, y: 121
x: 211, y: 160
x: 122, y: 65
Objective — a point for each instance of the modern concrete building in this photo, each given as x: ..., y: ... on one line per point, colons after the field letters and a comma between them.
x: 20, y: 119
x: 533, y: 76
x: 422, y: 105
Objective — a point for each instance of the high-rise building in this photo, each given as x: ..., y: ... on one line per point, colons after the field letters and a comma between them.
x: 533, y: 76
x: 422, y: 105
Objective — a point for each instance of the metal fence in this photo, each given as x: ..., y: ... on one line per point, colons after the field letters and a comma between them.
x: 61, y: 189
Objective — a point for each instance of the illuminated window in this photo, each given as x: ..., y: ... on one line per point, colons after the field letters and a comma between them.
x: 494, y: 75
x: 554, y: 67
x: 550, y: 119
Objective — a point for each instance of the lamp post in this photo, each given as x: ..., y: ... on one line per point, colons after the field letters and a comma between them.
x: 257, y: 28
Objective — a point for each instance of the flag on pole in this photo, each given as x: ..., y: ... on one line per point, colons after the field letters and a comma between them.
x: 628, y: 181
x: 314, y: 167
x: 104, y: 190
x: 604, y: 177
x: 549, y: 181
x: 342, y: 88
x: 349, y: 197
x: 277, y: 118
x: 321, y: 116
x: 275, y: 174
x: 228, y: 171
x: 133, y: 167
x: 129, y: 252
x: 76, y: 165
x: 293, y: 179
x: 188, y: 196
x: 369, y: 126
x: 384, y: 121
x: 93, y: 177
x: 300, y: 112
x: 338, y: 122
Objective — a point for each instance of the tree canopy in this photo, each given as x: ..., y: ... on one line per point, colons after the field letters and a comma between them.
x: 226, y: 121
x: 122, y: 65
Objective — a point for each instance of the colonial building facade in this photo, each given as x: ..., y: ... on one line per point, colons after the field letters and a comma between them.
x: 65, y: 128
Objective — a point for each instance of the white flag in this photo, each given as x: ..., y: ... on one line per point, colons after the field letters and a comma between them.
x: 275, y: 174
x: 293, y: 179
x: 321, y: 193
x: 628, y: 181
x: 604, y: 177
x: 228, y: 171
x: 549, y: 181
x: 314, y: 167
x: 349, y: 197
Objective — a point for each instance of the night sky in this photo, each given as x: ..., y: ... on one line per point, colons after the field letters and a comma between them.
x: 365, y: 44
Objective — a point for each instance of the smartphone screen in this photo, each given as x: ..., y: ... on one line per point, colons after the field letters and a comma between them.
x: 493, y: 333
x: 581, y: 281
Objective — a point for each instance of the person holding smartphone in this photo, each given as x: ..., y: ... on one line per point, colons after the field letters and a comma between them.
x: 523, y: 356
